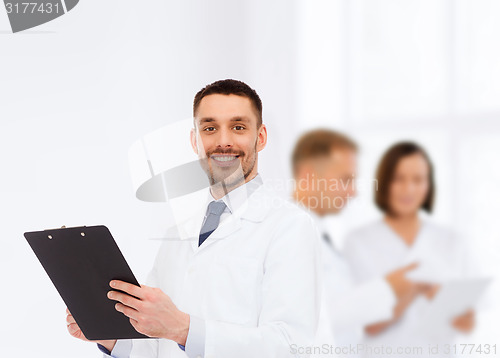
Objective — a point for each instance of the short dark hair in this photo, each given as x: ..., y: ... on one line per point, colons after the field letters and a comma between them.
x: 228, y: 87
x: 387, y: 167
x: 319, y: 143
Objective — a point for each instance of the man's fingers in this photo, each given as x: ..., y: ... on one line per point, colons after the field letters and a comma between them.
x: 125, y: 299
x: 127, y: 287
x: 127, y: 311
x: 133, y: 322
x: 430, y: 290
x: 410, y: 267
x: 73, y: 327
x: 70, y: 319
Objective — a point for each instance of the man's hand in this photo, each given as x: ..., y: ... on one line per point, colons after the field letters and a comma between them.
x: 76, y: 332
x: 402, y: 287
x: 404, y: 290
x: 152, y: 313
x: 429, y: 290
x: 465, y: 323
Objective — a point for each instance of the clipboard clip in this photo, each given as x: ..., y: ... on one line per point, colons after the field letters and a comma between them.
x: 64, y: 227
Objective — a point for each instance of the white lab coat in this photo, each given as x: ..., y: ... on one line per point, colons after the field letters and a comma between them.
x: 252, y: 288
x: 375, y: 250
x: 347, y: 307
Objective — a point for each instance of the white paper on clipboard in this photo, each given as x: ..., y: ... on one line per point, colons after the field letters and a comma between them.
x: 454, y: 298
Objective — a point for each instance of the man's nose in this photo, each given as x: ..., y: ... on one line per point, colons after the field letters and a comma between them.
x: 224, y: 139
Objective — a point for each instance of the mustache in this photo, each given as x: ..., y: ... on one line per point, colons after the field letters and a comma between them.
x: 225, y: 152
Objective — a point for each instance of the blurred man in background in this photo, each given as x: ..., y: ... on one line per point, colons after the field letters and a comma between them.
x: 324, y: 167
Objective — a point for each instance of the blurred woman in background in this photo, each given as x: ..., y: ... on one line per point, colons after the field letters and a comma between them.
x: 405, y: 187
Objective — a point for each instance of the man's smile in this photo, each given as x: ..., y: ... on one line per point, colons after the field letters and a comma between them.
x: 224, y: 160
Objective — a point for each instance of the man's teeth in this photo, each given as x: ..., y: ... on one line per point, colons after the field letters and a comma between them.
x: 224, y: 158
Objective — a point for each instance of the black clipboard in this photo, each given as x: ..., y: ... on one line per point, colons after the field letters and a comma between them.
x: 81, y: 261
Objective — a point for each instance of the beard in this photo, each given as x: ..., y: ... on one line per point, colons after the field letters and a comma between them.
x: 231, y: 176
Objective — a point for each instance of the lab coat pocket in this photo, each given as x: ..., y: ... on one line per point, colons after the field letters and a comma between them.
x: 235, y: 288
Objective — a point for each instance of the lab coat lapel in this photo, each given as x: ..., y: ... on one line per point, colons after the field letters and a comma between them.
x: 189, y: 229
x: 254, y: 209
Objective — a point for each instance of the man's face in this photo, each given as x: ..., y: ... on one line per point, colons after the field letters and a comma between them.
x: 340, y: 171
x: 226, y: 138
x: 330, y: 181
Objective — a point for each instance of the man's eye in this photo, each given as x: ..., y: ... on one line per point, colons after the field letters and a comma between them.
x: 239, y: 128
x: 209, y: 129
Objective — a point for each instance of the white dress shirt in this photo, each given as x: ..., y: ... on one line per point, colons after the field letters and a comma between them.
x: 251, y: 289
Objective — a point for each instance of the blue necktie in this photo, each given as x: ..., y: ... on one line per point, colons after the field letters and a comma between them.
x: 214, y: 211
x: 327, y: 238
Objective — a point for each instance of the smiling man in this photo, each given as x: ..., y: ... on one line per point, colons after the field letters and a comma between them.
x: 228, y: 165
x: 241, y: 279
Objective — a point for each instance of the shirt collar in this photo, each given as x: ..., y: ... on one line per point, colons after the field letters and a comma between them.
x: 237, y: 197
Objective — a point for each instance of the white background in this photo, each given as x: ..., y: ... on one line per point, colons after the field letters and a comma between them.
x: 77, y: 92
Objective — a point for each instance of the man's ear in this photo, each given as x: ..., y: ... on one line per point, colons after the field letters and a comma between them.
x: 261, y: 137
x: 192, y: 137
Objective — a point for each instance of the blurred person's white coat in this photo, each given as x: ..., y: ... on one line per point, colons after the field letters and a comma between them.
x: 346, y: 305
